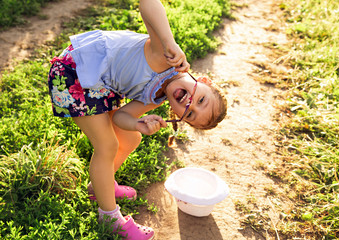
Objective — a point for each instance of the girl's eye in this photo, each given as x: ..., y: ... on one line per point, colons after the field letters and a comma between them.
x: 189, y: 114
x: 201, y: 100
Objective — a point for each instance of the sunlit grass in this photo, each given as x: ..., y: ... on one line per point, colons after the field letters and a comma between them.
x: 47, y: 167
x: 311, y: 135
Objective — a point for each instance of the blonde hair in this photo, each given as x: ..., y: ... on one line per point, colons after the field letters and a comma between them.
x: 220, y: 113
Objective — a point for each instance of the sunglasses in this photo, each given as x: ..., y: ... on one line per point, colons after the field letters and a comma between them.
x: 190, y: 100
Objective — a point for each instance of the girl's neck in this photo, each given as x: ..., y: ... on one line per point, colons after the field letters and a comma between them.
x: 161, y: 92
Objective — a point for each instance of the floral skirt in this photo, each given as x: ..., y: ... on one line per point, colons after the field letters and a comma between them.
x: 69, y: 99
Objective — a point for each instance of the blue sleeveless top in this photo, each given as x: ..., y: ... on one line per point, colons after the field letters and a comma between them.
x: 116, y: 60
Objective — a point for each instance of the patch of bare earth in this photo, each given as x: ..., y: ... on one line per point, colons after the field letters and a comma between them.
x: 20, y: 42
x: 242, y: 143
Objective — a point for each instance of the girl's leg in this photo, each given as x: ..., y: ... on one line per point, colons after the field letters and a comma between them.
x: 128, y: 142
x: 99, y: 130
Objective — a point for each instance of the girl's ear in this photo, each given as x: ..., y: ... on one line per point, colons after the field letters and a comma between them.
x: 204, y: 79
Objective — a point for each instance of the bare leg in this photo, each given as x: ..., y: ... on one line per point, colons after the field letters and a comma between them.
x: 99, y: 130
x: 128, y: 142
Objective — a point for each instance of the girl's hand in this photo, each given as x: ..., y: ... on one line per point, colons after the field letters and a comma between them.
x: 150, y: 124
x: 175, y: 57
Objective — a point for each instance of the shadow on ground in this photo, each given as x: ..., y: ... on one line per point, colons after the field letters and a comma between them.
x: 201, y: 226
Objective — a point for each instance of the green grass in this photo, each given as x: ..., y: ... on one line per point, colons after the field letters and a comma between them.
x: 44, y: 159
x: 42, y: 194
x: 12, y: 12
x: 310, y: 137
x: 47, y: 168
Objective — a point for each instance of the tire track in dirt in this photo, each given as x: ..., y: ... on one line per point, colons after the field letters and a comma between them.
x: 244, y: 140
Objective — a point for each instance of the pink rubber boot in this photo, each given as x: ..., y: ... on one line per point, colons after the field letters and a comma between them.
x: 121, y: 191
x: 134, y: 231
x: 129, y: 229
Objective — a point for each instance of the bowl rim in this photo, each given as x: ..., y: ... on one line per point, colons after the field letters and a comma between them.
x: 221, y: 193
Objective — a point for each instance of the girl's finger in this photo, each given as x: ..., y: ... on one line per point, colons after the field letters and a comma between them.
x: 183, y: 68
x: 167, y: 56
x: 162, y: 122
x: 173, y: 59
x: 173, y: 63
x: 153, y: 126
x: 176, y: 64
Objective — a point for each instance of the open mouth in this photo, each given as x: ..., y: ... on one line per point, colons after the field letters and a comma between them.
x: 180, y: 95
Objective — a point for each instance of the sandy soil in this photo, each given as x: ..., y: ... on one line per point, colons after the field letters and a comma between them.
x: 234, y: 150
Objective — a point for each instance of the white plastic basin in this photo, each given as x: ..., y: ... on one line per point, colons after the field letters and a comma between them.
x: 196, y: 190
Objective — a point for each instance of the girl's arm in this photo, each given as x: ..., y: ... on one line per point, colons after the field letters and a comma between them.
x: 162, y: 41
x: 127, y: 118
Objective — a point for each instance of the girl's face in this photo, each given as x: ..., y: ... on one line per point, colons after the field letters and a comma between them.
x: 203, y: 105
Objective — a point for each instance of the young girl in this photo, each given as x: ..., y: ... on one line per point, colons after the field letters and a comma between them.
x: 88, y: 80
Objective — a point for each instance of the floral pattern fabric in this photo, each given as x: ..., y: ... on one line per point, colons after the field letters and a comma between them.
x: 68, y: 98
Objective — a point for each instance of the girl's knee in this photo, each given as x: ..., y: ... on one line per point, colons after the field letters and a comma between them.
x: 138, y: 138
x: 128, y: 141
x: 135, y: 139
x: 107, y: 149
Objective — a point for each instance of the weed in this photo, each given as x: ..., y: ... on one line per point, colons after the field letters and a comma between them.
x: 48, y: 167
x: 229, y: 83
x: 179, y: 163
x: 181, y: 136
x: 153, y: 208
x: 270, y: 190
x: 226, y: 142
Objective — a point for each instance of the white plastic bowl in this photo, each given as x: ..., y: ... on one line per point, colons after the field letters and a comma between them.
x: 196, y: 190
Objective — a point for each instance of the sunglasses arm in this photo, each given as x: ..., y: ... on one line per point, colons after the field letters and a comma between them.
x: 169, y: 121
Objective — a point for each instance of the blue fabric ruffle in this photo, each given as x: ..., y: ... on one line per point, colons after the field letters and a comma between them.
x: 155, y: 84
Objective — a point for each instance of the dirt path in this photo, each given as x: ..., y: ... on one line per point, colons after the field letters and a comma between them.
x: 19, y: 42
x: 239, y: 145
x: 234, y: 150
